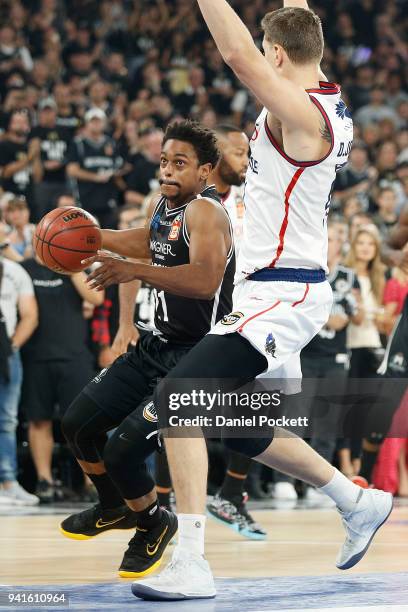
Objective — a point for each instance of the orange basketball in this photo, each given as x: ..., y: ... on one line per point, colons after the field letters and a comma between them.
x: 65, y: 236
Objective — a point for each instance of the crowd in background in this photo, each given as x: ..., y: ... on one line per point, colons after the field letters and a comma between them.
x: 86, y: 90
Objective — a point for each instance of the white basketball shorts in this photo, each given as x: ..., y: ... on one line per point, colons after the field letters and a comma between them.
x: 278, y: 318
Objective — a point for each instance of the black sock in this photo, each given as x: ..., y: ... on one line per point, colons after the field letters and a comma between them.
x: 150, y: 517
x: 109, y: 496
x: 164, y: 498
x: 233, y: 486
x: 368, y: 460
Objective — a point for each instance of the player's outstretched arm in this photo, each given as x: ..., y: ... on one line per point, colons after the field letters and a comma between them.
x: 285, y: 100
x: 209, y: 243
x: 132, y: 242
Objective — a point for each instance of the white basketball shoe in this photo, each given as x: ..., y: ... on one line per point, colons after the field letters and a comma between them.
x: 187, y: 576
x: 373, y: 507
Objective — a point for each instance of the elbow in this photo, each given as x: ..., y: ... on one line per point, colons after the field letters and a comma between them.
x: 234, y: 57
x: 205, y: 292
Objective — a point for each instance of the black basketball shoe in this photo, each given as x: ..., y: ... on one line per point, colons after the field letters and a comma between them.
x: 147, y: 546
x: 90, y: 523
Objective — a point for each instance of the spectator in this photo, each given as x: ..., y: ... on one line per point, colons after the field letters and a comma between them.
x: 19, y: 310
x: 144, y: 177
x: 364, y: 259
x: 57, y: 362
x: 376, y: 110
x: 387, y: 216
x: 19, y: 159
x: 54, y: 142
x: 356, y: 178
x: 20, y: 237
x: 396, y: 289
x: 93, y: 161
x: 67, y: 113
x: 65, y: 199
x: 356, y: 222
x: 364, y: 339
x: 351, y: 206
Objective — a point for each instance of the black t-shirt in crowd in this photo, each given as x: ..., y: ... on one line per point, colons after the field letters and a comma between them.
x: 95, y: 157
x: 70, y: 122
x: 62, y: 332
x: 54, y: 145
x: 144, y: 176
x: 20, y: 182
x: 328, y: 342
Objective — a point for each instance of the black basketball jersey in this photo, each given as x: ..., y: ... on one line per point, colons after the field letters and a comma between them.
x: 184, y: 320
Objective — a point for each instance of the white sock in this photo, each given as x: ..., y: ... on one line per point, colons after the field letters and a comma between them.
x: 342, y: 491
x: 191, y: 532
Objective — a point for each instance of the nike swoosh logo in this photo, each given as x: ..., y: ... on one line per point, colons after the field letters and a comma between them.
x: 151, y: 549
x: 123, y: 437
x: 100, y: 523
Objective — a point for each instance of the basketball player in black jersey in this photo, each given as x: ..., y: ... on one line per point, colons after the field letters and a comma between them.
x: 188, y: 237
x: 229, y: 504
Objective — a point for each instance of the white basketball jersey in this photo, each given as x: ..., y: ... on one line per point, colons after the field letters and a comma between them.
x: 287, y: 201
x: 233, y: 201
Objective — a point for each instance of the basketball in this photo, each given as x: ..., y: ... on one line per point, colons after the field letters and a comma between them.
x: 64, y: 237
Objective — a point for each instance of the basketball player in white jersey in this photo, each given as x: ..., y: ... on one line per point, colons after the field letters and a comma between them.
x: 281, y: 298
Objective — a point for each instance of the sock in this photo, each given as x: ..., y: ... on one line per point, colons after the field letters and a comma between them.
x: 368, y: 460
x: 233, y: 485
x: 163, y: 496
x: 191, y: 529
x: 150, y: 517
x: 342, y: 491
x: 109, y: 496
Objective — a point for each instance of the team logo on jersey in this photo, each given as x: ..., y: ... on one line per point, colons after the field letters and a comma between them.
x: 149, y: 413
x: 342, y: 110
x: 232, y: 318
x: 270, y: 345
x: 176, y: 227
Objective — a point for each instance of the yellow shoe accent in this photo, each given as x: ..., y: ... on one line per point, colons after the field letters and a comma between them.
x: 150, y: 570
x: 75, y: 536
x: 100, y: 523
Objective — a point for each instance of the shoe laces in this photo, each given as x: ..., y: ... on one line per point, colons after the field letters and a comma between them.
x: 177, y: 567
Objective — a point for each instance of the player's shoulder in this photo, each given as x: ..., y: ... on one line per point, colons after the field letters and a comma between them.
x: 206, y: 209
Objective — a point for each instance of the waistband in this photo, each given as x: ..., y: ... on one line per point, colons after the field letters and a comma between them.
x: 291, y: 275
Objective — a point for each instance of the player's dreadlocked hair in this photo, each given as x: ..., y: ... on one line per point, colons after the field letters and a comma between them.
x: 202, y: 139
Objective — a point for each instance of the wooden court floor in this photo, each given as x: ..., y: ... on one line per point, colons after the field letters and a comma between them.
x: 300, y: 543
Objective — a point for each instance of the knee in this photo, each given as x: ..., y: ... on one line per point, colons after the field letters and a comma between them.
x: 73, y: 418
x: 250, y: 447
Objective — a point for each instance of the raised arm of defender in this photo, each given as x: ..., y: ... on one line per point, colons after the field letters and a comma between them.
x: 285, y: 99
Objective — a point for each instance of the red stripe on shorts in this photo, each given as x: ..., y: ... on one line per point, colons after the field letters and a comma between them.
x: 303, y: 298
x: 258, y: 314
